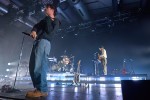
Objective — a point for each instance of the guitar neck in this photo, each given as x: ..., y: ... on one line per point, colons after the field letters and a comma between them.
x: 78, y: 69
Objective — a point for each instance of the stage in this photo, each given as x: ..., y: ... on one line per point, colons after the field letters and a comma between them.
x: 88, y: 79
x: 103, y: 87
x: 71, y: 93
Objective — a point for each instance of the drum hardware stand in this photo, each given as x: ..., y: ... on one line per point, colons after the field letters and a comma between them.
x: 95, y: 67
x: 72, y: 65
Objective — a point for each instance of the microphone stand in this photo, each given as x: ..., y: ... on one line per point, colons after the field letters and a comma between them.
x: 20, y: 57
x: 95, y: 64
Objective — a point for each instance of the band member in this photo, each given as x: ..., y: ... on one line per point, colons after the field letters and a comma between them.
x: 103, y: 59
x: 42, y: 33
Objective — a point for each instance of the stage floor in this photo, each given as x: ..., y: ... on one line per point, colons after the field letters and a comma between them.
x: 99, y: 79
x: 61, y: 88
x: 93, y: 92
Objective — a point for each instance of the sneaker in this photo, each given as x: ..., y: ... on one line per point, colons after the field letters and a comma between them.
x: 30, y: 91
x: 36, y: 93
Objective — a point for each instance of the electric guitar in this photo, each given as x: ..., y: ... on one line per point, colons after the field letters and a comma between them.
x: 99, y: 57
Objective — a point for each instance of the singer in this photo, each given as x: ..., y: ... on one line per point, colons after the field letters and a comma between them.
x: 42, y: 33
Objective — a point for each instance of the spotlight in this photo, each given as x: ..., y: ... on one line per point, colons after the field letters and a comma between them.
x: 135, y: 78
x: 9, y: 64
x: 117, y: 79
x: 12, y: 63
x: 6, y: 76
x: 102, y: 79
x: 117, y: 85
x: 103, y: 85
x: 7, y: 70
x: 42, y: 9
x: 3, y: 10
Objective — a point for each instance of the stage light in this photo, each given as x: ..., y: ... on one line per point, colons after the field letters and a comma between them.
x: 52, y: 85
x: 9, y: 64
x: 90, y: 79
x: 4, y: 10
x: 103, y: 85
x: 29, y: 25
x: 117, y: 79
x: 102, y: 79
x: 135, y: 78
x: 7, y: 70
x: 13, y: 63
x: 6, y: 76
x: 42, y: 10
x: 76, y: 89
x: 117, y: 85
x: 20, y: 20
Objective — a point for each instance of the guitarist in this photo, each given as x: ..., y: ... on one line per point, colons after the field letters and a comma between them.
x: 43, y: 33
x: 103, y: 59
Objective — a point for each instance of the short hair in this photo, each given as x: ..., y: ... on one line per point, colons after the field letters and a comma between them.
x: 52, y: 7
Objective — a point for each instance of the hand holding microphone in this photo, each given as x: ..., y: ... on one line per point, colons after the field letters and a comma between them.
x: 33, y: 34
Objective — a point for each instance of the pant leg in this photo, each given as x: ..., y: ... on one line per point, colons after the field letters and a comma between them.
x: 38, y: 66
x: 104, y: 63
x: 41, y: 65
x: 32, y: 62
x: 47, y: 48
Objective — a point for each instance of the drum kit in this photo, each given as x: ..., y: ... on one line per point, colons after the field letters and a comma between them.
x: 64, y: 65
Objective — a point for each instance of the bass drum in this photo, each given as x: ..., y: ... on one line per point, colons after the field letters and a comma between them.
x: 56, y: 68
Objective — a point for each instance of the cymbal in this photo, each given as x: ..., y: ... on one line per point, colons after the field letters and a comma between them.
x: 52, y: 58
x: 72, y: 57
x: 64, y: 56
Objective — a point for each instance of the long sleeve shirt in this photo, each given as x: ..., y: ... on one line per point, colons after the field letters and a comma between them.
x: 46, y: 28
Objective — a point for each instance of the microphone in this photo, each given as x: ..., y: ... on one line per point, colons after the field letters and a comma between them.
x: 26, y: 33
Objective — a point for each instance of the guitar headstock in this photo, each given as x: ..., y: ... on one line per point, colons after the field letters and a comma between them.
x: 79, y: 62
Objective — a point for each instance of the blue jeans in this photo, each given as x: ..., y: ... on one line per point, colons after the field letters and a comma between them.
x: 38, y: 64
